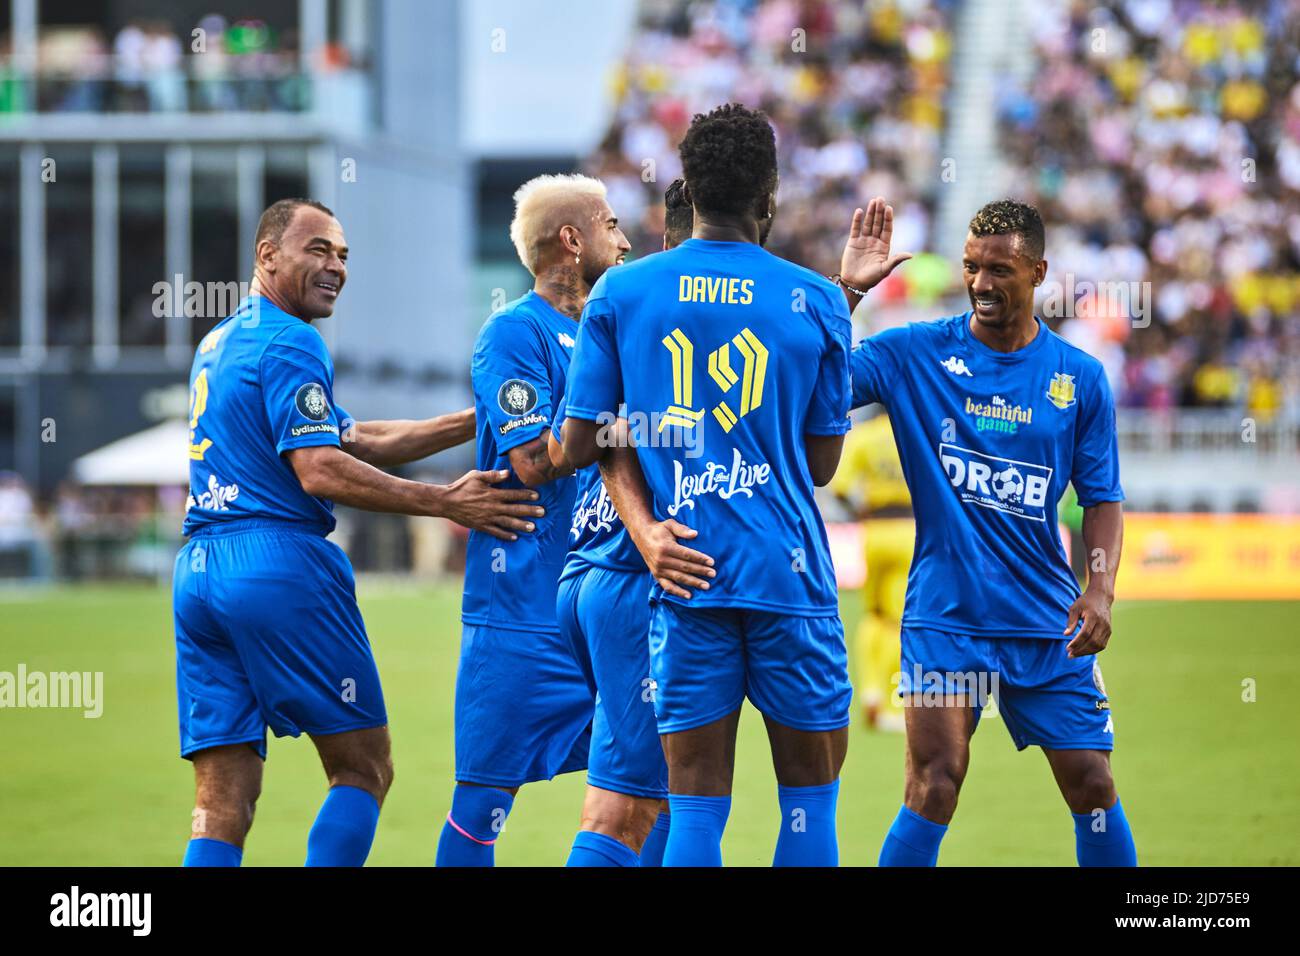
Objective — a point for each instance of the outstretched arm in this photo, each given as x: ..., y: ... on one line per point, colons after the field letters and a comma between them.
x: 326, y: 471
x: 676, y: 567
x: 386, y: 444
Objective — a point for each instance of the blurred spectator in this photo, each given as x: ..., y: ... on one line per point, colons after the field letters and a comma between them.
x: 23, y: 551
x: 1161, y: 140
x: 855, y: 92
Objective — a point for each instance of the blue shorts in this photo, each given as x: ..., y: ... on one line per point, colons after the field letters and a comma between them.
x: 523, y: 708
x: 605, y: 615
x: 706, y: 661
x: 268, y: 634
x: 1046, y: 698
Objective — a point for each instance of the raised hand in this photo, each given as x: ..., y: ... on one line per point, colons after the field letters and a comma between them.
x: 866, y: 260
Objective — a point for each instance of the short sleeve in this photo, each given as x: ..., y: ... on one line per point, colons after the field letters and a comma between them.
x: 877, y: 363
x: 1096, y: 446
x: 828, y: 413
x: 595, y: 386
x: 297, y: 381
x: 512, y: 380
x: 558, y: 421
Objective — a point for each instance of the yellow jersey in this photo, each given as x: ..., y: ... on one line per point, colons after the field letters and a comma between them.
x: 870, y: 474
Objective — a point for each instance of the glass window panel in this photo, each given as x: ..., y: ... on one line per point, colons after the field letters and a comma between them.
x: 142, y: 244
x: 69, y: 222
x: 10, y: 290
x: 214, y: 237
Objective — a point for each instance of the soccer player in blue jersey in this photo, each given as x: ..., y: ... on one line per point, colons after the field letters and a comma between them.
x: 740, y: 361
x: 523, y: 708
x: 267, y: 627
x: 604, y: 612
x: 994, y: 415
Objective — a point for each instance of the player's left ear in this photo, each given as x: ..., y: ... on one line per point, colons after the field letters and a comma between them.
x: 1040, y: 272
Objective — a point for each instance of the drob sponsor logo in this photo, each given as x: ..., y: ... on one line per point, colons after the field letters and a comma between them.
x: 1013, y: 487
x: 725, y: 482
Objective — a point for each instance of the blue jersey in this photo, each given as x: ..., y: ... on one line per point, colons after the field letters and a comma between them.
x: 988, y: 441
x: 597, y: 536
x: 726, y: 357
x: 521, y: 360
x: 262, y: 384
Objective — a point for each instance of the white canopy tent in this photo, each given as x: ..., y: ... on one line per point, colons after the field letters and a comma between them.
x: 156, y: 456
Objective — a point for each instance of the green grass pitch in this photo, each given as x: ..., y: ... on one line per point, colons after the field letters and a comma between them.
x: 1206, y: 778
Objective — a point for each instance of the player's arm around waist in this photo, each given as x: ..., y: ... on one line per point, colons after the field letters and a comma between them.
x: 386, y: 444
x: 326, y: 471
x: 677, y: 568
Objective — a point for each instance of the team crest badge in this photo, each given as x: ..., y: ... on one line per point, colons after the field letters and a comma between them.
x: 516, y: 397
x: 1060, y: 391
x: 311, y: 402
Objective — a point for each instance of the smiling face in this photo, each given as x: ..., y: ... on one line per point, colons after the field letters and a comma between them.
x: 603, y: 243
x: 308, y: 266
x: 1000, y: 279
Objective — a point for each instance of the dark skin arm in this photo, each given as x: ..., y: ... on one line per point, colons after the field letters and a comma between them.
x: 534, y: 464
x: 385, y: 444
x: 1103, y: 538
x: 581, y: 445
x: 676, y: 567
x: 823, y: 456
x: 326, y: 471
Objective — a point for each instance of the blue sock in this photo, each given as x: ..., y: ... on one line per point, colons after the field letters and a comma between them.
x: 204, y: 852
x: 652, y: 851
x: 596, y: 849
x: 912, y: 841
x: 807, y: 826
x: 473, y: 825
x: 695, y: 838
x: 344, y: 828
x: 1104, y: 840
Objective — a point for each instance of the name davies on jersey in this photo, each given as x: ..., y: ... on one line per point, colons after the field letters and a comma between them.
x: 740, y: 479
x: 1013, y: 487
x: 727, y: 290
x: 600, y: 515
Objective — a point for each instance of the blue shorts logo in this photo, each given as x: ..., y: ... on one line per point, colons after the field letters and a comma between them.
x: 311, y: 402
x: 1017, y: 488
x: 517, y: 397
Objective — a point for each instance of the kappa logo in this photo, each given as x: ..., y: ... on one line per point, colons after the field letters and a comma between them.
x: 1018, y: 488
x: 956, y: 366
x: 566, y: 340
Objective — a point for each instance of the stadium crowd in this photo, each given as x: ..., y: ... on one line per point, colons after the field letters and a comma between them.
x: 855, y: 92
x: 1161, y: 139
x: 154, y: 66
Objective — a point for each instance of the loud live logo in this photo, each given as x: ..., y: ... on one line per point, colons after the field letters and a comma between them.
x: 1017, y: 488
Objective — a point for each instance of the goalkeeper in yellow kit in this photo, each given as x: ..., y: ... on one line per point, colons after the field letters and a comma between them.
x: 870, y: 483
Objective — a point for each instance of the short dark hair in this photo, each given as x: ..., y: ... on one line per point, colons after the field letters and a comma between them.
x: 679, y: 217
x: 275, y: 220
x: 1011, y: 217
x: 729, y: 159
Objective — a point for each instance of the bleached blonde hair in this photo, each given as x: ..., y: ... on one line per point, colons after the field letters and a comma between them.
x: 543, y: 205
